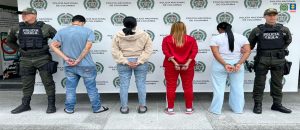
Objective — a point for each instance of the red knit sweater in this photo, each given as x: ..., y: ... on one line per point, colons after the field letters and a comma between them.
x: 181, y: 54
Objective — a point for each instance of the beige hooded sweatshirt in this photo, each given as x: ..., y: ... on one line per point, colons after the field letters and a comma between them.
x: 138, y: 45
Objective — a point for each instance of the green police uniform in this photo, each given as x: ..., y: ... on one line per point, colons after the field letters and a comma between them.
x: 31, y: 40
x: 272, y: 41
x: 33, y: 59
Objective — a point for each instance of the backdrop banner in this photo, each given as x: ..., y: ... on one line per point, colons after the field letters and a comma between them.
x: 155, y: 17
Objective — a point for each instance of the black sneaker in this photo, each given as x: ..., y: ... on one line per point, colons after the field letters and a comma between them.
x: 124, y: 110
x: 280, y: 108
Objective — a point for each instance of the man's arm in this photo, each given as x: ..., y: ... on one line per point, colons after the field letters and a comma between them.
x: 55, y: 47
x: 253, y: 38
x: 288, y: 37
x: 85, y: 51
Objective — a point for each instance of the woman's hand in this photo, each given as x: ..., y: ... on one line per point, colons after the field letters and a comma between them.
x: 229, y: 68
x: 237, y: 67
x: 185, y: 66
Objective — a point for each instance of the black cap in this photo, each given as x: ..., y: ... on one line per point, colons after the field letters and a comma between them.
x: 27, y: 10
x: 270, y: 11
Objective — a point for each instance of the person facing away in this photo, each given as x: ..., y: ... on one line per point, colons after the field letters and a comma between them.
x: 131, y: 49
x: 228, y: 66
x: 180, y: 51
x: 73, y: 44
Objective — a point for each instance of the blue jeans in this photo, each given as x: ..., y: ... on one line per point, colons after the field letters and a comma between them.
x: 88, y: 73
x: 125, y: 73
x: 236, y: 81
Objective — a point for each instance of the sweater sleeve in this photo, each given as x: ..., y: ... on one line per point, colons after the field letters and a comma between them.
x: 194, y: 50
x: 117, y: 53
x: 166, y: 49
x: 146, y: 52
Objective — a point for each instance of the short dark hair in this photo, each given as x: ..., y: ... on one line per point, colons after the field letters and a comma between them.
x: 78, y: 18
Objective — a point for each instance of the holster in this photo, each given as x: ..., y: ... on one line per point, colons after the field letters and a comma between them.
x: 51, y: 67
x: 287, y: 67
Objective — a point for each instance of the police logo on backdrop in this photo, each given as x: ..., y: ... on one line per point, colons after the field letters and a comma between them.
x: 145, y: 4
x: 99, y: 67
x: 225, y: 17
x: 151, y: 34
x: 65, y: 19
x: 200, y: 67
x: 63, y: 82
x: 199, y: 35
x: 178, y: 82
x: 116, y: 82
x: 151, y: 67
x: 117, y: 19
x: 247, y: 32
x: 198, y: 4
x: 98, y: 36
x: 284, y: 7
x: 92, y: 4
x: 38, y: 4
x: 171, y: 18
x: 283, y: 81
x: 283, y: 17
x: 252, y: 4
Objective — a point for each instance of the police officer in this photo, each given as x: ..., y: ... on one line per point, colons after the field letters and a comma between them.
x: 30, y: 38
x: 272, y: 41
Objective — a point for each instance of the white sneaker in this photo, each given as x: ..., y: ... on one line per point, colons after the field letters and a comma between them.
x: 189, y: 111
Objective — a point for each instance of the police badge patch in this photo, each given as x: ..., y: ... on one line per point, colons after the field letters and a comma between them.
x: 199, y: 35
x: 98, y: 36
x: 92, y: 4
x: 99, y: 67
x: 38, y: 4
x: 151, y: 67
x: 117, y: 19
x: 252, y: 4
x: 200, y: 67
x: 225, y: 17
x: 145, y: 4
x: 171, y: 18
x: 198, y: 4
x: 64, y: 19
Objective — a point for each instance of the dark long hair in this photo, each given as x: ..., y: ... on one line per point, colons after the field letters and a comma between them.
x: 129, y: 23
x: 227, y: 28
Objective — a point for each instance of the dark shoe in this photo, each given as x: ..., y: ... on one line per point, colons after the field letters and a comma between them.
x: 257, y: 108
x: 102, y: 109
x: 51, y: 104
x: 124, y: 110
x: 23, y: 107
x: 69, y: 111
x: 280, y: 108
x: 142, y: 109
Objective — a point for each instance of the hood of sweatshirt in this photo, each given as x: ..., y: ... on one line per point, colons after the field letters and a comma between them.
x: 138, y: 33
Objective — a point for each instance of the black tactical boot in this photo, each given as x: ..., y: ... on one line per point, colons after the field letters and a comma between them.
x: 24, y: 106
x: 51, y: 104
x: 280, y: 108
x: 257, y: 108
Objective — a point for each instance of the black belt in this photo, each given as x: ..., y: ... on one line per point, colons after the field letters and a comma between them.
x: 269, y: 53
x: 34, y: 54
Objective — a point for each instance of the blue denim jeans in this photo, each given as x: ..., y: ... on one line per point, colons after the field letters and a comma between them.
x: 88, y: 73
x: 236, y: 83
x: 125, y: 73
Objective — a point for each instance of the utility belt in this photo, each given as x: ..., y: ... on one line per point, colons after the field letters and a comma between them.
x: 35, y: 54
x: 273, y: 53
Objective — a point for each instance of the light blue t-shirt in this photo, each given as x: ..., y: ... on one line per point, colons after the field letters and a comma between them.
x: 73, y: 40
